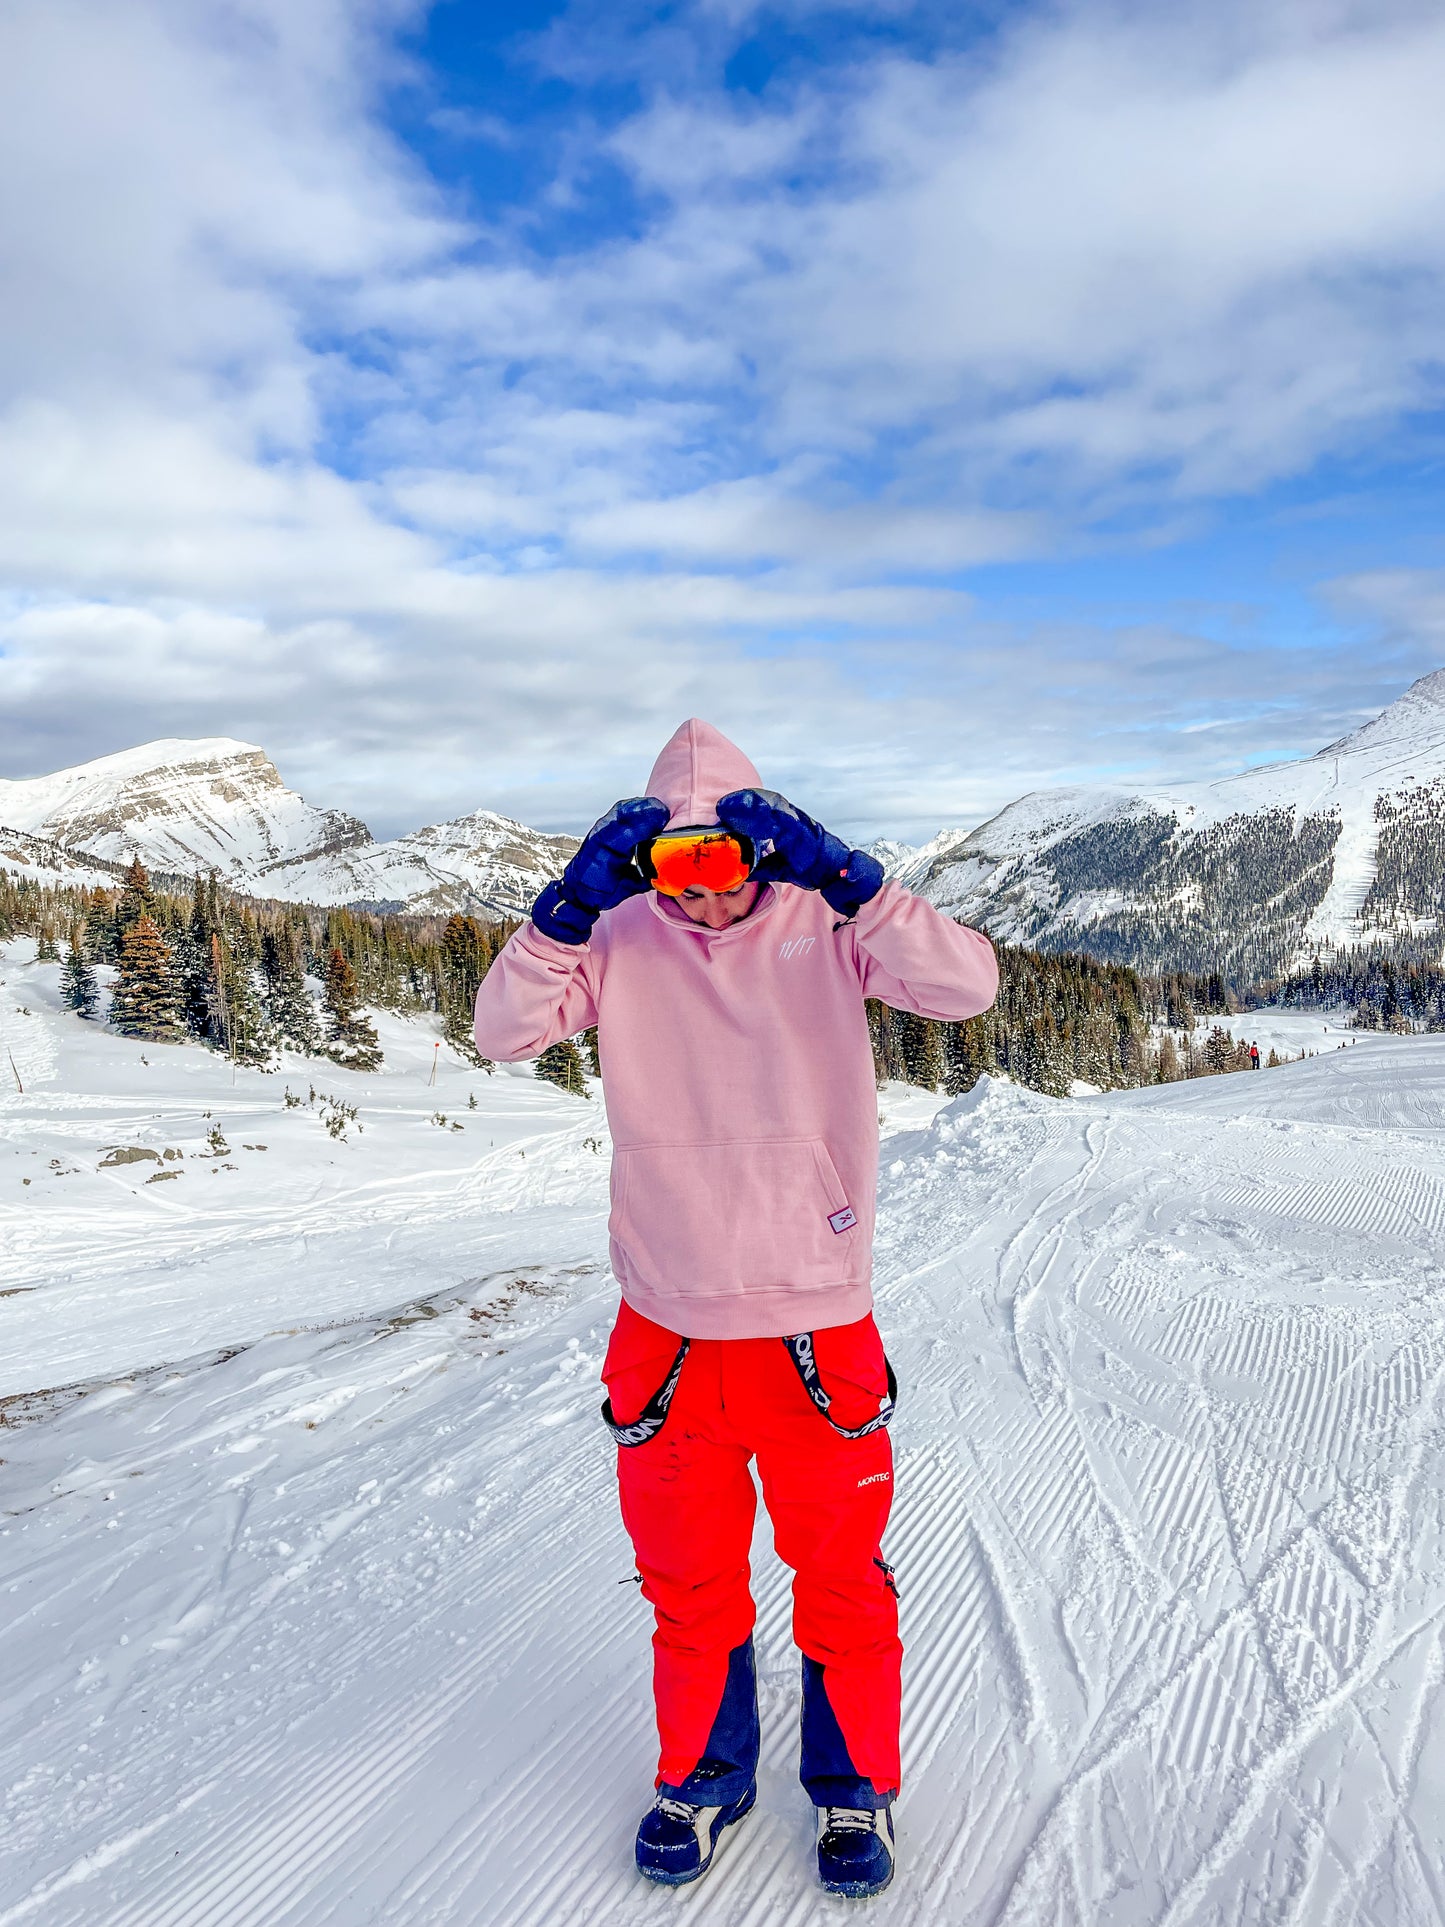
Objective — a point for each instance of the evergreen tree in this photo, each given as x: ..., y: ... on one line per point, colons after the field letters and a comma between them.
x: 288, y: 1004
x: 137, y: 899
x: 239, y: 1024
x: 350, y: 1035
x: 968, y: 1053
x: 465, y: 958
x: 77, y: 980
x: 96, y: 911
x: 46, y: 948
x: 560, y: 1064
x: 887, y: 1043
x: 217, y: 949
x: 148, y: 999
x: 1389, y: 997
x: 204, y: 1005
x: 1219, y: 1051
x: 921, y: 1045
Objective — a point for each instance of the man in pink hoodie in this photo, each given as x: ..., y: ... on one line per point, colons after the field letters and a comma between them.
x: 738, y: 1077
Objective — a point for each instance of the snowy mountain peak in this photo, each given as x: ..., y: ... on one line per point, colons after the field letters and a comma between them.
x: 213, y: 803
x: 481, y: 864
x: 891, y: 853
x: 1418, y: 715
x: 207, y: 804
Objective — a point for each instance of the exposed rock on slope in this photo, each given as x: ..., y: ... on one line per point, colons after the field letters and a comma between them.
x: 45, y: 862
x: 212, y: 804
x: 221, y: 805
x: 481, y: 864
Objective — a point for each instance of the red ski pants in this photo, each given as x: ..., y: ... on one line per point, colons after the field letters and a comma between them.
x: 688, y: 1502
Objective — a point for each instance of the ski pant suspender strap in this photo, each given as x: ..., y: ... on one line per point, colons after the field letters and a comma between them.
x: 800, y: 1350
x: 653, y: 1416
x: 654, y: 1412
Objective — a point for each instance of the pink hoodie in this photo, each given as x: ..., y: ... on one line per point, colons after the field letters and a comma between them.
x: 738, y: 1073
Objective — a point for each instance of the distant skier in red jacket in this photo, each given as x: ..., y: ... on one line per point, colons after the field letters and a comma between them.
x: 724, y: 943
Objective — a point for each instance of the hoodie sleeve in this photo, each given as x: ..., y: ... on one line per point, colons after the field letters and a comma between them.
x: 536, y: 992
x: 914, y: 958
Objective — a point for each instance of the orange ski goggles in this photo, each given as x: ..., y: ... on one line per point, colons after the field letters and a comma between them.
x: 710, y: 859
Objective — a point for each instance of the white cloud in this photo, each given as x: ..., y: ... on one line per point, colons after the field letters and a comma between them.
x: 903, y: 321
x: 755, y: 520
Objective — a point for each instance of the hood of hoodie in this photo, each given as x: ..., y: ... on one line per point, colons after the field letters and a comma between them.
x: 698, y: 765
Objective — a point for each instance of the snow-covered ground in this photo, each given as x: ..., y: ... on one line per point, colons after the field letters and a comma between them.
x: 1287, y: 1029
x: 314, y: 1589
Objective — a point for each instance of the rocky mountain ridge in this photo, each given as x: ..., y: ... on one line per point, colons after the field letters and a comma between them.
x: 1250, y: 874
x: 215, y: 804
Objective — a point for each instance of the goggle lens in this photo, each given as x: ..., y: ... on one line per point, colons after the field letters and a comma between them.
x: 714, y: 860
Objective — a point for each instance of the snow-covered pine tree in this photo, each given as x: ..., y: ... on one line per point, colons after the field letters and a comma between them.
x: 77, y: 980
x: 560, y: 1064
x: 351, y: 1038
x: 244, y: 1032
x: 288, y: 1003
x: 1219, y: 1051
x: 148, y: 1000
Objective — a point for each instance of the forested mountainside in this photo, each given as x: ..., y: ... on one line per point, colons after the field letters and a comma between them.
x: 1236, y: 897
x: 1251, y: 875
x: 1407, y: 893
x: 257, y: 981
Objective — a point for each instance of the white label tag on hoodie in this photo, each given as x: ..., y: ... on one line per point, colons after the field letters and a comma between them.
x: 844, y: 1220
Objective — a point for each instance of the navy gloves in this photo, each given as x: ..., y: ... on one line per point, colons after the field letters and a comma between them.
x: 803, y: 852
x: 601, y: 874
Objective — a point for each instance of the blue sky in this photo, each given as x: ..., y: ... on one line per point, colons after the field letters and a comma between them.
x: 947, y: 401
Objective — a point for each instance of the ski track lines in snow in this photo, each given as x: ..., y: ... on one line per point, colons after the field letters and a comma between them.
x: 1169, y: 1535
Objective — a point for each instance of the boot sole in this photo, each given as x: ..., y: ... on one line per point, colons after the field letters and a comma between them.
x: 856, y: 1889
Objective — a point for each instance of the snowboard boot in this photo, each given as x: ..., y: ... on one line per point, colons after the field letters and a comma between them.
x: 855, y: 1850
x: 677, y: 1840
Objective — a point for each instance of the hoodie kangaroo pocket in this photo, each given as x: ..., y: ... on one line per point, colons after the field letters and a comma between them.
x: 732, y: 1216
